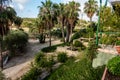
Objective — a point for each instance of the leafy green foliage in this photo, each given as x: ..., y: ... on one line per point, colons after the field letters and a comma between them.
x: 32, y: 74
x: 114, y: 65
x: 108, y: 39
x: 53, y: 48
x: 78, y: 45
x: 2, y: 76
x: 16, y: 41
x: 91, y: 50
x: 41, y: 38
x: 62, y: 57
x: 75, y: 36
x: 42, y: 61
x: 57, y: 33
x: 118, y: 42
x: 81, y: 70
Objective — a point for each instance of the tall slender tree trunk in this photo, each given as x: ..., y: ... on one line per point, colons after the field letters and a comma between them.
x: 67, y: 33
x: 63, y: 34
x: 50, y: 37
x: 49, y: 26
x: 90, y: 27
x: 1, y: 65
x: 90, y: 19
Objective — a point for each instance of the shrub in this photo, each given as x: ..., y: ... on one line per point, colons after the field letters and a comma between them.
x: 91, y: 50
x: 118, y: 42
x: 114, y: 65
x: 75, y: 36
x: 16, y: 41
x: 62, y: 57
x: 77, y: 43
x: 53, y: 48
x: 81, y: 70
x: 2, y: 76
x: 41, y: 38
x: 32, y: 74
x: 42, y: 61
x: 108, y: 39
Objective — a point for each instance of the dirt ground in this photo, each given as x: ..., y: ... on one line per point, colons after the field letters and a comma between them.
x: 19, y: 65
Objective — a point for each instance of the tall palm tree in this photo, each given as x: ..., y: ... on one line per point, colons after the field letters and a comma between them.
x: 48, y: 13
x: 4, y: 19
x: 90, y: 8
x: 60, y: 9
x: 73, y: 14
x: 71, y: 11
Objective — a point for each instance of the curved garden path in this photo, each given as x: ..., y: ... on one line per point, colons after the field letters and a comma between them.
x: 19, y: 65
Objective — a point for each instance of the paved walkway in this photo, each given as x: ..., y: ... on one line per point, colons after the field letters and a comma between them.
x: 108, y: 49
x: 17, y: 66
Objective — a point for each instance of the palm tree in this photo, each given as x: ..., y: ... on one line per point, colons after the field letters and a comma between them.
x: 60, y: 9
x: 71, y: 12
x: 47, y: 11
x: 90, y: 8
x: 4, y: 19
x: 7, y: 17
x: 18, y: 21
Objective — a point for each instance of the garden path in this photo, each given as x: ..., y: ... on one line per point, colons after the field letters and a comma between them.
x: 19, y: 65
x: 108, y: 49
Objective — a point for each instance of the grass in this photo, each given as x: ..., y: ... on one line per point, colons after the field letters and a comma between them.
x: 81, y: 70
x: 53, y: 48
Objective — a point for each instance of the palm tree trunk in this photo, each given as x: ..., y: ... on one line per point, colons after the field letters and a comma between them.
x: 67, y: 33
x: 49, y: 26
x: 50, y: 37
x: 90, y: 19
x: 63, y: 34
x: 1, y: 65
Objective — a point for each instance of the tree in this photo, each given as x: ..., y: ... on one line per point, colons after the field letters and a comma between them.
x: 71, y: 17
x: 7, y: 15
x: 18, y: 21
x: 47, y: 12
x: 61, y: 17
x: 90, y: 8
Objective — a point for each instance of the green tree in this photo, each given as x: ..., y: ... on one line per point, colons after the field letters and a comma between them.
x: 73, y: 14
x: 18, y: 21
x: 47, y: 12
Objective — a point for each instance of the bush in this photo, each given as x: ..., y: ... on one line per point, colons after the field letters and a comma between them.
x: 41, y: 38
x: 114, y: 65
x: 53, y: 48
x: 118, y: 42
x: 81, y: 70
x: 2, y: 76
x: 108, y: 39
x: 32, y: 74
x: 42, y: 61
x: 91, y: 50
x: 78, y: 45
x: 62, y: 57
x: 57, y: 33
x: 16, y: 41
x: 75, y: 36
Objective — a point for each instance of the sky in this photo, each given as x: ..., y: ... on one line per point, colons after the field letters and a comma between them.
x: 29, y: 8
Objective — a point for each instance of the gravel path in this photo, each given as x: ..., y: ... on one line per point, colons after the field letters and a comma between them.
x: 19, y: 65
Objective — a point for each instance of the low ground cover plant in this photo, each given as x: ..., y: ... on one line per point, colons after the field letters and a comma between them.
x: 62, y: 56
x: 114, y: 66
